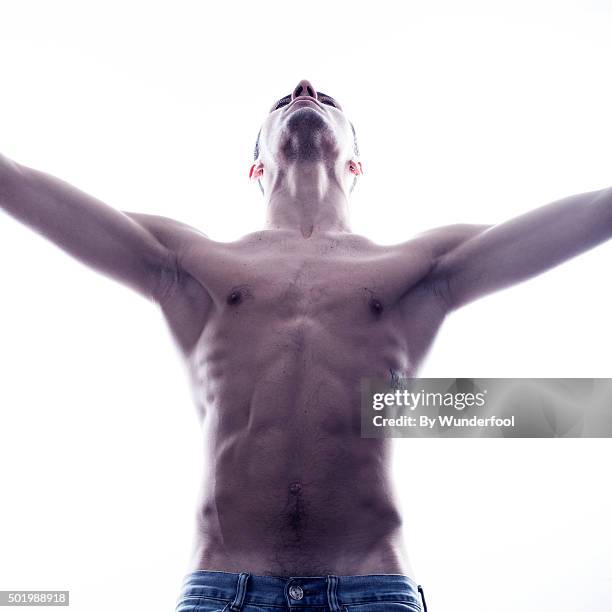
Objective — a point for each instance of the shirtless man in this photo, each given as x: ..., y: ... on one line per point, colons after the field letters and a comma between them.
x: 278, y: 329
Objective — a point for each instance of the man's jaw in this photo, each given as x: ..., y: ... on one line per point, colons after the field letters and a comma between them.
x: 307, y: 136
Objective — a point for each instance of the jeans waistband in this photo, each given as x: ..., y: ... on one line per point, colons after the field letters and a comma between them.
x: 332, y: 592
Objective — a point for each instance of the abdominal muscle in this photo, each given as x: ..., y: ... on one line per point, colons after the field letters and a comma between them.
x: 290, y: 488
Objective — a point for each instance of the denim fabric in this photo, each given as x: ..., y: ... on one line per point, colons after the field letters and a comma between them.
x: 214, y: 591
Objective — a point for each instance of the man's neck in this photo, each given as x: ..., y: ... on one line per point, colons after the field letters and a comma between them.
x: 307, y: 197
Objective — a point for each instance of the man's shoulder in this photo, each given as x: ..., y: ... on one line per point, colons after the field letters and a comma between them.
x: 177, y: 236
x: 157, y: 223
x: 440, y: 240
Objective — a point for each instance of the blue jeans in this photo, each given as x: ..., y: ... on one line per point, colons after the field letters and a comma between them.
x: 213, y: 591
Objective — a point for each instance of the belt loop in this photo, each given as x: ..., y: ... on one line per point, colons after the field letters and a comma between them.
x: 422, y: 593
x: 238, y: 602
x: 332, y: 593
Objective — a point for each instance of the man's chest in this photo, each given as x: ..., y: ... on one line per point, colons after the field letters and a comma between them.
x: 308, y: 278
x: 322, y: 290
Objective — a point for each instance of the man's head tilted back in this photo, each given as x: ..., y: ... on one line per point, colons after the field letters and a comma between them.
x: 306, y: 128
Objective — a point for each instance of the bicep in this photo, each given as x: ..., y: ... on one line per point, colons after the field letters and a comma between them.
x: 86, y: 228
x: 447, y: 247
x: 112, y: 243
x: 518, y: 249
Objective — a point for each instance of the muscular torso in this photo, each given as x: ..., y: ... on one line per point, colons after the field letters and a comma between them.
x: 278, y: 331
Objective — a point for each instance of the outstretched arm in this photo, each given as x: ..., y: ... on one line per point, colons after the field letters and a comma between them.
x: 504, y: 254
x: 89, y: 230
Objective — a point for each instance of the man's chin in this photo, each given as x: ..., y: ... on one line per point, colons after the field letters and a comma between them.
x: 307, y: 135
x: 309, y: 117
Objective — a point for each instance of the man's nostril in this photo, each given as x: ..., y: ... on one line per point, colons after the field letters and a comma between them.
x: 298, y: 91
x: 310, y: 91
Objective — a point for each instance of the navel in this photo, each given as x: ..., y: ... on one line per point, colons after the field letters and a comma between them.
x: 295, y: 488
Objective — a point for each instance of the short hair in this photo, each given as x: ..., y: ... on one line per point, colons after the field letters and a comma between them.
x: 355, y: 150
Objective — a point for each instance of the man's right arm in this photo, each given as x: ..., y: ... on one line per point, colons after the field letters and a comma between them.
x: 106, y: 239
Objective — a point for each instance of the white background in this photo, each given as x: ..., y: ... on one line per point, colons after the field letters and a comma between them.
x: 471, y: 114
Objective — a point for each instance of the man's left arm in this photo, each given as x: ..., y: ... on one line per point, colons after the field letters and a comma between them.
x: 508, y: 253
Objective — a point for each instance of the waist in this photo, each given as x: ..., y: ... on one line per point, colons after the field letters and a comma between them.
x: 330, y: 592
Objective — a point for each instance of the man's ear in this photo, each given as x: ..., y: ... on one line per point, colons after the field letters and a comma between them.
x: 355, y: 168
x: 256, y: 171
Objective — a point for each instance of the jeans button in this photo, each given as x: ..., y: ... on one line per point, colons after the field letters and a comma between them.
x: 296, y: 592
